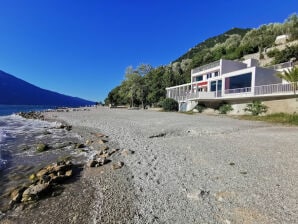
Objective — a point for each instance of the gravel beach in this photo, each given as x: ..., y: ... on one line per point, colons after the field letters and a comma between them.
x: 180, y: 169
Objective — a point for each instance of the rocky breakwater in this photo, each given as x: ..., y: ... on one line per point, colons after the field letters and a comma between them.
x: 31, y: 115
x: 46, y: 182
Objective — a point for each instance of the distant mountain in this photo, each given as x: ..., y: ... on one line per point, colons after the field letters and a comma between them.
x: 14, y: 91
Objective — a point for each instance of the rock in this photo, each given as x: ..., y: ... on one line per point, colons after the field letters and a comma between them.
x: 80, y: 145
x: 63, y: 126
x: 102, y: 161
x: 45, y: 179
x: 89, y: 142
x: 62, y: 168
x: 68, y: 127
x: 104, y: 155
x: 103, y: 147
x: 68, y: 173
x: 42, y: 172
x: 127, y: 152
x: 60, y: 145
x: 33, y: 192
x: 102, y: 141
x: 16, y: 194
x: 117, y: 165
x: 46, y: 132
x: 31, y: 115
x: 41, y: 147
x: 92, y: 163
x: 32, y: 177
x: 98, y: 162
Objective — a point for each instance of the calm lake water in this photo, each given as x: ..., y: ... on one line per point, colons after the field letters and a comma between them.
x: 11, y: 109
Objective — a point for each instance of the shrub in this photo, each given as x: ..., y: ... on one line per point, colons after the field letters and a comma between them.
x: 256, y: 108
x: 170, y: 105
x: 200, y: 107
x: 225, y: 108
x: 272, y: 53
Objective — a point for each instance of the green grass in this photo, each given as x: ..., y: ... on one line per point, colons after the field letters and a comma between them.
x: 283, y: 118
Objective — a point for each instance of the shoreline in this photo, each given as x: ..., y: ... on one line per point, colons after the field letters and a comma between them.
x: 185, y: 169
x: 84, y: 195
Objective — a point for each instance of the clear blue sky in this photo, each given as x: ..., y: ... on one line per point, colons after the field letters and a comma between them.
x: 82, y: 48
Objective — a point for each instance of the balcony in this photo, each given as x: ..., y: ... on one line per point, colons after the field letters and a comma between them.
x: 258, y: 91
x: 205, y: 67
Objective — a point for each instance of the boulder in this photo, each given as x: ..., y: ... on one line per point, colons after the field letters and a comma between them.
x: 33, y: 192
x: 41, y: 147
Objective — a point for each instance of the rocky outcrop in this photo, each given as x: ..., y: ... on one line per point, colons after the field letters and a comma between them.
x: 42, y: 182
x: 32, y: 115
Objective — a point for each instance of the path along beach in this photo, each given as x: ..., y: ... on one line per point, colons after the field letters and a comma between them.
x: 180, y: 169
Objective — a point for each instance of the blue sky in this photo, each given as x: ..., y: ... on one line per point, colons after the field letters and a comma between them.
x: 82, y: 48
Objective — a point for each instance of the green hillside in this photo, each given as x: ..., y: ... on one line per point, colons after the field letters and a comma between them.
x: 146, y: 85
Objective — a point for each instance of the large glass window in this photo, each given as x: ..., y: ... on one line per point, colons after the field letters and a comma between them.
x: 213, y: 85
x: 239, y: 81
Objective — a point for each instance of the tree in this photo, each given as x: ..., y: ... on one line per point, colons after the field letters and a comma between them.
x: 290, y: 75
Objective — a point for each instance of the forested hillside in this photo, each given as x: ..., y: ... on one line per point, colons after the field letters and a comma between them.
x: 145, y: 85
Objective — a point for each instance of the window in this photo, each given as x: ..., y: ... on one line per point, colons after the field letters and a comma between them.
x: 213, y: 86
x: 239, y: 81
x: 209, y: 75
x: 199, y: 78
x: 216, y: 74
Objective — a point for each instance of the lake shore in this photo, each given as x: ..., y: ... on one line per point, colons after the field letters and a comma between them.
x: 178, y: 169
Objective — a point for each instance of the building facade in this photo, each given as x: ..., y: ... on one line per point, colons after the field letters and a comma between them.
x: 229, y: 80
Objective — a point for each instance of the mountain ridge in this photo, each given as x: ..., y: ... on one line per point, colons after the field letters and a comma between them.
x: 15, y: 91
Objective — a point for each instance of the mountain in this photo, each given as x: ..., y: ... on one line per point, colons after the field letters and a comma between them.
x: 14, y: 91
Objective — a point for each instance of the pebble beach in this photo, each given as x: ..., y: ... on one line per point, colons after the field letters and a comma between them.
x: 177, y: 168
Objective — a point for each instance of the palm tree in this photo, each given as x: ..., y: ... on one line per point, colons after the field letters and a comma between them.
x: 290, y: 75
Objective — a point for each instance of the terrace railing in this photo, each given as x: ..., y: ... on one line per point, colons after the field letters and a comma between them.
x: 238, y: 90
x: 265, y: 90
x: 274, y: 89
x: 205, y: 67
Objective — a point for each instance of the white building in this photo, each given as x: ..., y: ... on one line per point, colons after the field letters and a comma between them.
x: 227, y: 80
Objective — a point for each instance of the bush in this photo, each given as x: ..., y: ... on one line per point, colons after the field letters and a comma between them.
x: 200, y: 107
x: 256, y: 108
x: 272, y: 53
x: 170, y: 105
x: 225, y: 108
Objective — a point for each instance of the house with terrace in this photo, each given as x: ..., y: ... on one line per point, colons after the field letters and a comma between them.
x: 232, y: 82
